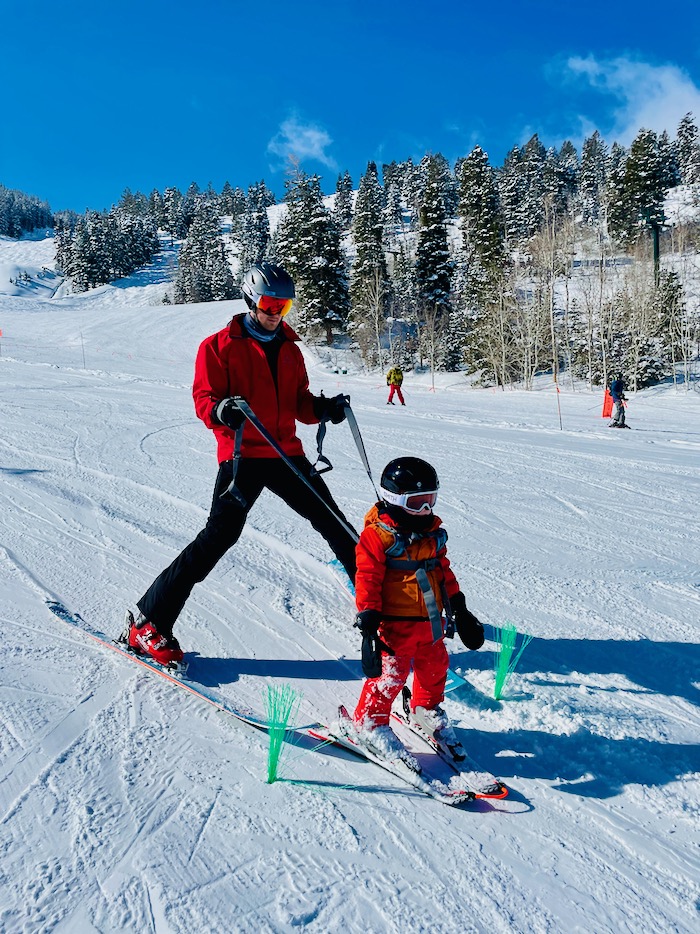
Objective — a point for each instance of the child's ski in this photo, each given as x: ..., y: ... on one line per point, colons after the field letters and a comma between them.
x: 436, y: 778
x: 484, y: 784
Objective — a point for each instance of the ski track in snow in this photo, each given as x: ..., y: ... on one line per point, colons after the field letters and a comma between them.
x: 129, y: 806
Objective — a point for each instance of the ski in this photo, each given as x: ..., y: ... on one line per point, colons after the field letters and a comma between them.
x: 484, y: 784
x: 242, y: 713
x: 435, y: 779
x: 448, y: 787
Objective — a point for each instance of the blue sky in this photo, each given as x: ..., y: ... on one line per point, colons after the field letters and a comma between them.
x: 98, y: 97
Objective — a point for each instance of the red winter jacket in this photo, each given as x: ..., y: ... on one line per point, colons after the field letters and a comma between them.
x: 395, y: 592
x: 231, y: 364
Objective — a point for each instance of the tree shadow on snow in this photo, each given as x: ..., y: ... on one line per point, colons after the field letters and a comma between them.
x: 586, y: 763
x: 582, y: 763
x: 21, y: 471
x: 667, y: 668
x: 214, y: 672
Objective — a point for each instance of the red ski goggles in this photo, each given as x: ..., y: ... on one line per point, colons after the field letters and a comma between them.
x: 269, y: 305
x: 416, y: 503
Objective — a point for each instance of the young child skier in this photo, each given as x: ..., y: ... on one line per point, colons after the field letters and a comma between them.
x: 404, y: 584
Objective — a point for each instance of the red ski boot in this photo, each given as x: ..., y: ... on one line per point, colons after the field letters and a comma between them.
x: 143, y: 638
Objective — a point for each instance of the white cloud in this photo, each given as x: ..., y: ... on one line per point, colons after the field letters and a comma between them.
x: 302, y: 141
x: 653, y: 97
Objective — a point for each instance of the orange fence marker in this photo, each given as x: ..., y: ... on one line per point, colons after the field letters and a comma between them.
x: 607, y: 405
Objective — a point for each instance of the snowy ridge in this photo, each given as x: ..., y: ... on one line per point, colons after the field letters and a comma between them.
x: 126, y: 805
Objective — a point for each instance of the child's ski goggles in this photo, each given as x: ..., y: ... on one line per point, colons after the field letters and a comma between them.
x: 269, y: 305
x: 416, y: 503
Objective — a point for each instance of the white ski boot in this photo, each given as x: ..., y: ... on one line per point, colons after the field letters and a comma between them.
x: 436, y: 725
x: 381, y: 741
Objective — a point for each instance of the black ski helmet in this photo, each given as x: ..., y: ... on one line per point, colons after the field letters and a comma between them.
x: 409, y: 475
x: 266, y: 279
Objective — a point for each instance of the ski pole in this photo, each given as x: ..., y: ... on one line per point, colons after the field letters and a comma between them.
x: 354, y: 428
x: 255, y: 421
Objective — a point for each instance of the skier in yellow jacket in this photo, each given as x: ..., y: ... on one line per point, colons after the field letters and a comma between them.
x: 394, y: 378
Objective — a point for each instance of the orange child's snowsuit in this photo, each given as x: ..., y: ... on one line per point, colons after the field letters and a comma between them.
x: 405, y: 625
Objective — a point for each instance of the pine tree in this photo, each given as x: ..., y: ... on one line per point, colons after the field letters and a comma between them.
x: 369, y: 282
x: 531, y: 167
x: 593, y: 174
x: 433, y: 264
x: 567, y: 173
x: 480, y: 212
x: 189, y: 205
x: 63, y: 240
x: 433, y: 268
x: 203, y: 271
x: 644, y: 182
x: 174, y: 221
x: 308, y: 246
x: 437, y: 166
x: 688, y: 148
x: 156, y: 208
x: 343, y: 206
x: 511, y: 194
x: 255, y: 228
x: 617, y: 197
x: 411, y: 189
x: 668, y: 157
x: 393, y: 212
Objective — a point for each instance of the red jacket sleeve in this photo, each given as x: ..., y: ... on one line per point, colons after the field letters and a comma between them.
x: 305, y: 399
x: 451, y: 583
x: 211, y: 378
x: 371, y: 569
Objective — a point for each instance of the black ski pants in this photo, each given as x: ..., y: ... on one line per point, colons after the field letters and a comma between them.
x: 165, y: 598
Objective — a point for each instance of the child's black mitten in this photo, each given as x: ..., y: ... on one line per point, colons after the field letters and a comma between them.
x: 470, y: 630
x: 368, y: 623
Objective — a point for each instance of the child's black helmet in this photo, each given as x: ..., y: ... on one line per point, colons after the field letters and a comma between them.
x: 410, y: 483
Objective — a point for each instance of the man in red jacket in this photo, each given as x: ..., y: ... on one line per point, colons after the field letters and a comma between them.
x: 255, y: 357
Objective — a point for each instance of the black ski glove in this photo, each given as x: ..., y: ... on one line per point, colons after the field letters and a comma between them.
x: 470, y: 630
x: 227, y: 413
x: 332, y: 409
x: 368, y: 623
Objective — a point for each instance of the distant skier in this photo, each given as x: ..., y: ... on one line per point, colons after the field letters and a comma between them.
x: 617, y: 391
x: 256, y: 357
x: 394, y: 379
x: 404, y: 582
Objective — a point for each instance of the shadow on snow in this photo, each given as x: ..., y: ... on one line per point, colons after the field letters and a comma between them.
x: 585, y: 763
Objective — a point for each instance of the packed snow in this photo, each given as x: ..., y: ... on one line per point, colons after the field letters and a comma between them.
x: 128, y: 805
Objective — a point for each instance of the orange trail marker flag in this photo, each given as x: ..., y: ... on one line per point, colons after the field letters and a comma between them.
x: 607, y: 405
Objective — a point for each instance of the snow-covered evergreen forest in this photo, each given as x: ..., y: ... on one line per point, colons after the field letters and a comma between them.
x: 578, y: 264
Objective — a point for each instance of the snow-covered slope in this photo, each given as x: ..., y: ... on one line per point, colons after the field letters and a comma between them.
x: 127, y: 806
